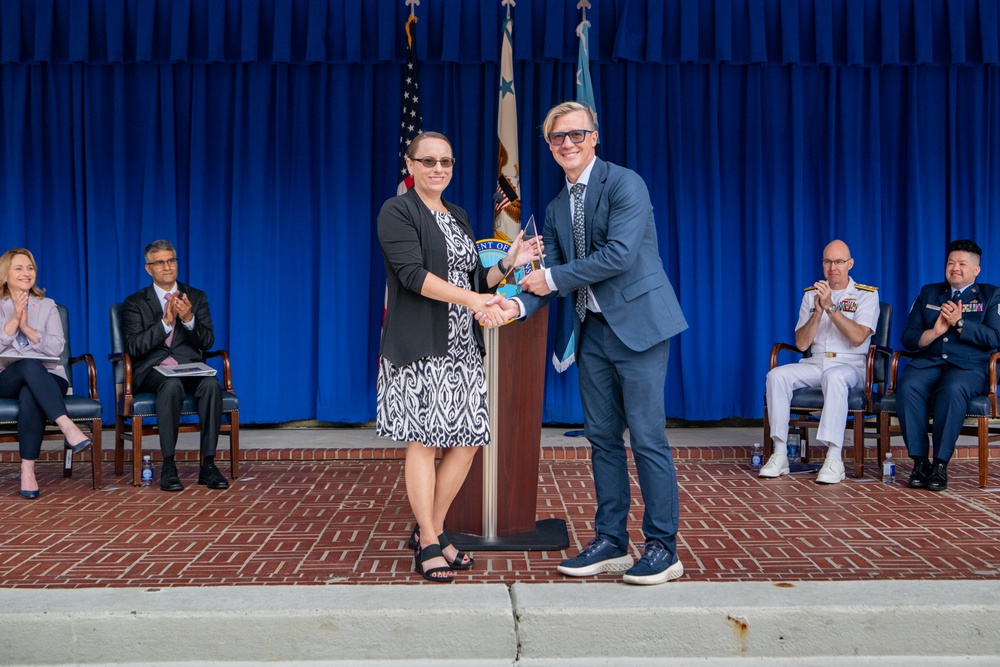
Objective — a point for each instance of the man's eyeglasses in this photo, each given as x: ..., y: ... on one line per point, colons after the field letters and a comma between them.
x: 429, y: 162
x: 835, y: 262
x: 161, y: 263
x: 576, y: 136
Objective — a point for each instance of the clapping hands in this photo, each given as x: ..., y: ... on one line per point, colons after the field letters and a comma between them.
x: 177, y: 307
x: 949, y: 316
x: 19, y: 320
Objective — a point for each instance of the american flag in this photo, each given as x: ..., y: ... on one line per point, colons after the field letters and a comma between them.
x: 411, y: 121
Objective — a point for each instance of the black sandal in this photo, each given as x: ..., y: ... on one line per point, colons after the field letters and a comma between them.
x: 458, y: 563
x: 426, y: 554
x: 414, y: 541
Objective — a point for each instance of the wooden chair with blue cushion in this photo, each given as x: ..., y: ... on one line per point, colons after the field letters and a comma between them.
x: 982, y: 409
x: 862, y: 402
x: 138, y: 407
x: 84, y: 410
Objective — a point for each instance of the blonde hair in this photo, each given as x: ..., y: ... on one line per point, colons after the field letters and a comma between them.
x: 563, y: 109
x: 5, y: 261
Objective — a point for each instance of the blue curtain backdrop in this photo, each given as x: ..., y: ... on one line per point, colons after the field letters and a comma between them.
x: 260, y: 137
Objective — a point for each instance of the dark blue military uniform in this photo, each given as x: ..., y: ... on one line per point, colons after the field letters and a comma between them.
x: 948, y: 371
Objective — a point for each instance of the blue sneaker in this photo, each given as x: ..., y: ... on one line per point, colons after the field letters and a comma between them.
x: 600, y: 555
x: 654, y: 567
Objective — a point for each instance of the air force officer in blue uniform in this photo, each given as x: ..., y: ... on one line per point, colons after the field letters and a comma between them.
x: 610, y: 268
x: 953, y: 327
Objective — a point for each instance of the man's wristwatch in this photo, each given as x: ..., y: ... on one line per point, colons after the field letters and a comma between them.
x: 833, y: 308
x: 960, y: 323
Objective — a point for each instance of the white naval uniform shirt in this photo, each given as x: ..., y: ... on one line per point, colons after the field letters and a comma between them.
x: 858, y: 305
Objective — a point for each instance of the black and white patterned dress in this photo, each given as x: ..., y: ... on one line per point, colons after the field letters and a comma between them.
x: 440, y: 400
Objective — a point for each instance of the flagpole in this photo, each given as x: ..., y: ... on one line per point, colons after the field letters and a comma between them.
x: 506, y: 198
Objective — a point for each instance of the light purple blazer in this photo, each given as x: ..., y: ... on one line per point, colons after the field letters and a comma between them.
x: 43, y: 317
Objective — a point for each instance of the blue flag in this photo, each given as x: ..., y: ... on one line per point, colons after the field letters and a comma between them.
x: 584, y: 87
x: 564, y: 353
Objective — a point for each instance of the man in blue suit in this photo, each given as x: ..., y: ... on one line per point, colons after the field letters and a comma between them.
x: 601, y: 251
x: 953, y: 327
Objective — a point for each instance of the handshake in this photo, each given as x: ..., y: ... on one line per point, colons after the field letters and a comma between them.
x: 494, y: 310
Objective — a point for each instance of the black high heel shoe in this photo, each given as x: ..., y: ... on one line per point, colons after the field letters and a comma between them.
x: 78, y: 447
x: 425, y: 554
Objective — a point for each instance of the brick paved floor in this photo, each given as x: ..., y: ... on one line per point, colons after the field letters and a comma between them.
x: 346, y: 521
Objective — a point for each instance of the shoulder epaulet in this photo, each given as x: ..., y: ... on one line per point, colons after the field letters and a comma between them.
x: 866, y: 288
x: 809, y: 289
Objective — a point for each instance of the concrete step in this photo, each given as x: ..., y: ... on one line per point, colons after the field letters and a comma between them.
x: 493, y: 624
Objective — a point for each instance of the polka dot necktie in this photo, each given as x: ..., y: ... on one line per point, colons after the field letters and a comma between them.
x: 580, y: 240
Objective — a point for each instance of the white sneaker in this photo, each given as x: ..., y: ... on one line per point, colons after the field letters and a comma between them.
x: 832, y: 472
x: 776, y: 466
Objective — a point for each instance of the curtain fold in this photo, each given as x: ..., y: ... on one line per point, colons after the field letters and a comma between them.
x: 816, y: 32
x: 262, y: 142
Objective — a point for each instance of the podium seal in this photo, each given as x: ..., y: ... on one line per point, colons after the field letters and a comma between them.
x: 492, y: 251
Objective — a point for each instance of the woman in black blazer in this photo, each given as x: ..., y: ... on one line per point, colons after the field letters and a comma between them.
x: 431, y: 380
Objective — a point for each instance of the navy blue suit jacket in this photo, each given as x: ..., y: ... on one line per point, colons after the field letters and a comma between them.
x: 622, y: 266
x: 980, y: 336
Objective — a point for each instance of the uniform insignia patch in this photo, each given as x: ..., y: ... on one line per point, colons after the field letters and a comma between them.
x: 849, y: 306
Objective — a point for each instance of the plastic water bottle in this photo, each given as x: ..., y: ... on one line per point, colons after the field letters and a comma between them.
x: 756, y: 457
x: 793, y: 448
x: 888, y: 469
x: 147, y: 471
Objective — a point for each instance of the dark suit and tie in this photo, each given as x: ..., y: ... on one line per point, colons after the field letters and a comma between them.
x: 151, y: 342
x: 626, y: 313
x: 950, y: 363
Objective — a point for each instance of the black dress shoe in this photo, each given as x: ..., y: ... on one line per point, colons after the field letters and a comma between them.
x: 918, y: 478
x: 169, y: 481
x: 210, y: 476
x: 938, y: 479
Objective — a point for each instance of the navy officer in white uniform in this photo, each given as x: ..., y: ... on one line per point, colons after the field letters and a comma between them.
x: 836, y: 320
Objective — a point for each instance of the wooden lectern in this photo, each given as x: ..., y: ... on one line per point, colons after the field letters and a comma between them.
x: 495, y: 508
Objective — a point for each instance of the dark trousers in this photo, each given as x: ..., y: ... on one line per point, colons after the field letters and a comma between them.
x: 169, y: 400
x: 945, y: 388
x: 622, y: 388
x: 39, y: 396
